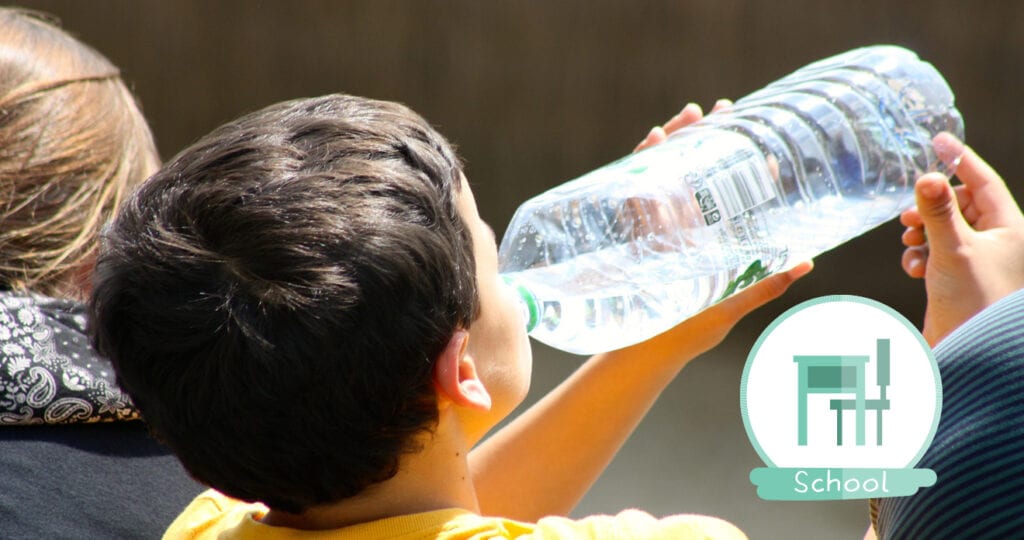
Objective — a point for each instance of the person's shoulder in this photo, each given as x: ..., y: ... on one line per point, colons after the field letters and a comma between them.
x: 636, y: 524
x: 211, y: 513
x: 987, y: 346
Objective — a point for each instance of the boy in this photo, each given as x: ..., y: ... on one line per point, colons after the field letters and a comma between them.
x: 306, y: 307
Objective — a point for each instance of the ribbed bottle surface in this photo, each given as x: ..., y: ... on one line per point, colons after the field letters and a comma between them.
x: 816, y: 158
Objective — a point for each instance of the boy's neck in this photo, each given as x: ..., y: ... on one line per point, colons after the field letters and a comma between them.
x: 435, y: 478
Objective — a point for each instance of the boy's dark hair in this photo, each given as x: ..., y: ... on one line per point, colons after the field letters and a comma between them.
x: 274, y: 297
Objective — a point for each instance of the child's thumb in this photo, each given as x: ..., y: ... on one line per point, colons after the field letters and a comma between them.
x: 937, y: 205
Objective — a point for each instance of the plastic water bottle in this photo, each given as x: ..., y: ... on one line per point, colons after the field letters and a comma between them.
x: 816, y: 158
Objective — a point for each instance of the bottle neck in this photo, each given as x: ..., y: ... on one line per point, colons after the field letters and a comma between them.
x: 527, y: 303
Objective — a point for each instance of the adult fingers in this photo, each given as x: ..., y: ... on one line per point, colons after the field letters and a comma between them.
x: 913, y: 236
x: 911, y: 218
x: 915, y: 261
x: 939, y: 211
x: 991, y: 196
x: 965, y: 199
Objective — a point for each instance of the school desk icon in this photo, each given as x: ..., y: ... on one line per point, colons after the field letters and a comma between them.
x: 843, y: 375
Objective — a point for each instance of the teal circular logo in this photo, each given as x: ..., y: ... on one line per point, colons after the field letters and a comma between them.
x: 840, y: 397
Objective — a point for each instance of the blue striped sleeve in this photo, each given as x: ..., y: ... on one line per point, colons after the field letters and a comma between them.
x: 978, y: 450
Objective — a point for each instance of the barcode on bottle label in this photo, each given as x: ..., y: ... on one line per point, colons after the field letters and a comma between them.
x: 732, y: 187
x: 728, y: 191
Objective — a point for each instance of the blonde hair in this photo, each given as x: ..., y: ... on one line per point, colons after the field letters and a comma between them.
x: 72, y: 143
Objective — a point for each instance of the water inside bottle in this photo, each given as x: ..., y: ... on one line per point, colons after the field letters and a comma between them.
x: 595, y: 303
x: 810, y: 161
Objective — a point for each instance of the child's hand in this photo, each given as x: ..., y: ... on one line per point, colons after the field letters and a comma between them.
x: 690, y: 114
x: 519, y: 472
x: 708, y: 328
x: 967, y: 242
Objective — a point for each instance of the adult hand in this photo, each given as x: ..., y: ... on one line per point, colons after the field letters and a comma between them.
x: 967, y: 242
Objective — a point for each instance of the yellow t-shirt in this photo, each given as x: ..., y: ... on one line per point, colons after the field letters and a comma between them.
x: 213, y: 515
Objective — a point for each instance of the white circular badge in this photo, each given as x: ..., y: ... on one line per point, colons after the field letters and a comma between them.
x: 841, y: 382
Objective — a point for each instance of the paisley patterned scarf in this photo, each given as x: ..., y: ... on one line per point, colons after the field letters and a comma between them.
x: 48, y: 372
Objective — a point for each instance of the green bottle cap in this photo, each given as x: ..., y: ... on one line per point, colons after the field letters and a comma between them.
x: 529, y: 302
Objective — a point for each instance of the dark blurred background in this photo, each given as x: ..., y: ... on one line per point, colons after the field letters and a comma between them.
x: 537, y: 92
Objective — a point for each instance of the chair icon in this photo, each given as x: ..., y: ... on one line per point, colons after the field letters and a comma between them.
x: 877, y: 405
x: 843, y: 375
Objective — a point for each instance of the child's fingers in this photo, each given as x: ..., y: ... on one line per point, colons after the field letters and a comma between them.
x: 690, y: 114
x: 762, y: 292
x: 721, y: 105
x: 655, y: 136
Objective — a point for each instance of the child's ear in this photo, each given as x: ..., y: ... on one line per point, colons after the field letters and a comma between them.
x: 455, y: 375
